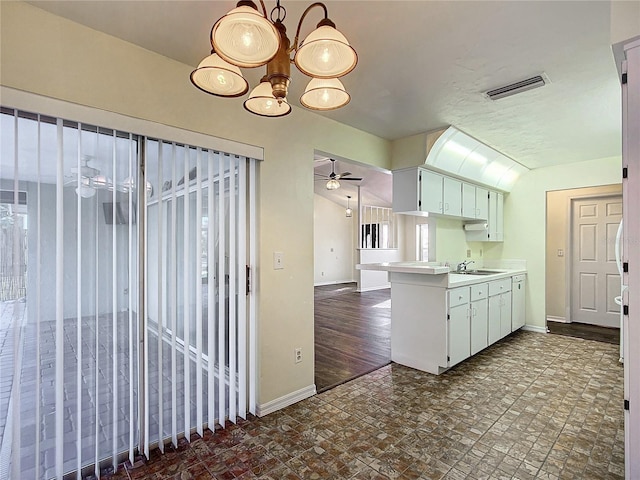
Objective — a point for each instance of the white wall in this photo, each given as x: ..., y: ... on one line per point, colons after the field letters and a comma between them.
x: 74, y: 63
x: 333, y: 241
x: 94, y: 229
x: 525, y: 218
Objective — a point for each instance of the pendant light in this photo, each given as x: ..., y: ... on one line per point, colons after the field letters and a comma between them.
x: 218, y: 77
x: 326, y: 53
x: 333, y: 184
x: 348, y: 212
x: 247, y: 38
x: 262, y: 102
x: 324, y: 94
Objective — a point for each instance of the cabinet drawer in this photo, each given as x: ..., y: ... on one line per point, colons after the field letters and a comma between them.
x: 479, y: 291
x: 500, y: 286
x: 458, y: 296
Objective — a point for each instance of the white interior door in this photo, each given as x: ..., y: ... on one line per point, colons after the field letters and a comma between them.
x: 595, y: 281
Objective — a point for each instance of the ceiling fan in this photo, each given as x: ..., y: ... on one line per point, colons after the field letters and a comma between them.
x: 87, y: 179
x: 333, y: 177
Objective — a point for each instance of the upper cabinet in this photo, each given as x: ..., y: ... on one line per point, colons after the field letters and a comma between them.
x: 419, y: 190
x: 475, y: 202
x: 494, y: 231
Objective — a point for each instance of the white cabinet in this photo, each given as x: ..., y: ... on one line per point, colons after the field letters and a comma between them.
x: 499, y: 309
x: 479, y: 317
x: 518, y: 301
x: 482, y: 203
x: 452, y: 197
x: 431, y: 192
x: 468, y: 200
x: 496, y: 217
x: 417, y: 190
x: 434, y: 327
x: 475, y: 202
x: 406, y: 190
x: 458, y: 326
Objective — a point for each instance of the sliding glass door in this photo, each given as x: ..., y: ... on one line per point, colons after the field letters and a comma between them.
x: 87, y: 216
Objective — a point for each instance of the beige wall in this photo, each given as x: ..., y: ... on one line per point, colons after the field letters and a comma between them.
x: 51, y: 56
x: 525, y: 217
x: 452, y: 245
x: 558, y: 214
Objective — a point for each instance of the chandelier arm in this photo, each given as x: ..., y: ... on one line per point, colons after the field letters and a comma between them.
x: 326, y: 17
x: 264, y: 8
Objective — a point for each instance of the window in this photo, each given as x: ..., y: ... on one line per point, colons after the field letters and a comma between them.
x: 377, y: 227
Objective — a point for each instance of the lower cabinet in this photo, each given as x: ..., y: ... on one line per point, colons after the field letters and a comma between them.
x: 479, y: 317
x: 499, y: 309
x: 458, y: 326
x: 434, y: 327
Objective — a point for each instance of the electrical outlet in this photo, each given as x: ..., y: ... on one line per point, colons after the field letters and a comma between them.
x: 297, y: 354
x: 468, y: 253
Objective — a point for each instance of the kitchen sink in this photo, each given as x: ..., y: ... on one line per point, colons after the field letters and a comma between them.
x: 479, y: 272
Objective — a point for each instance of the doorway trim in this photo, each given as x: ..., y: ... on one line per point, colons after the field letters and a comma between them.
x: 557, y: 234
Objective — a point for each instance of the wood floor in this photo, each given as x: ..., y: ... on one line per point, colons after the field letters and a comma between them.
x: 352, y: 333
x: 585, y: 331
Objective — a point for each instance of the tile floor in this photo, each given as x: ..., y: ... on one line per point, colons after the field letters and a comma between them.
x: 530, y: 406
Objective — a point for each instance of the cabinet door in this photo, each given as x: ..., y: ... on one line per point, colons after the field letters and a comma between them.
x: 499, y: 219
x: 459, y: 333
x: 518, y: 306
x: 431, y: 192
x: 468, y: 200
x: 494, y: 319
x: 452, y: 197
x: 496, y: 217
x: 505, y: 314
x: 482, y: 203
x: 479, y: 325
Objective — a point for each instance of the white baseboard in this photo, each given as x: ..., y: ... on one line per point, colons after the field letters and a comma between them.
x: 285, y: 401
x: 370, y: 289
x: 535, y: 328
x: 551, y: 318
x: 335, y: 282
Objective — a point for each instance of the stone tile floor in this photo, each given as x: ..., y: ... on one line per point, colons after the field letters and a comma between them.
x: 530, y: 406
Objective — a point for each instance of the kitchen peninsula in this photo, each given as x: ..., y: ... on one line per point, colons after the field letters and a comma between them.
x: 439, y: 318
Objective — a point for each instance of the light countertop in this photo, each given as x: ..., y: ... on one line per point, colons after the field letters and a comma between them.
x: 452, y: 280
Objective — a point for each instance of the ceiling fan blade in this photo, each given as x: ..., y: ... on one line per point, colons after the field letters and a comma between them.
x: 356, y: 179
x: 345, y: 174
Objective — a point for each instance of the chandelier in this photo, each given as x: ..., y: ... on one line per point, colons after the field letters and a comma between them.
x: 246, y: 38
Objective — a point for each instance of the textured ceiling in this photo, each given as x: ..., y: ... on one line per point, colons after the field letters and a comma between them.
x: 424, y: 65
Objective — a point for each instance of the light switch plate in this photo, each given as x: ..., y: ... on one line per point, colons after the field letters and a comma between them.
x: 278, y: 260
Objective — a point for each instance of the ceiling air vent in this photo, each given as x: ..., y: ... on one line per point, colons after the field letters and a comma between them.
x: 518, y: 87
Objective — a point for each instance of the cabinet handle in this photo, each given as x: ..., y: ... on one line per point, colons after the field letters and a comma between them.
x: 460, y: 297
x: 446, y: 207
x: 440, y: 206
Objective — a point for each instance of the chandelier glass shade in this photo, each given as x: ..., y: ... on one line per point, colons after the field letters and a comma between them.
x: 262, y: 102
x: 348, y: 212
x: 325, y: 94
x: 325, y: 53
x: 333, y: 184
x: 246, y: 38
x: 218, y: 77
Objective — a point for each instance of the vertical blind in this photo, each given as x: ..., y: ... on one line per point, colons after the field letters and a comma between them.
x: 84, y: 230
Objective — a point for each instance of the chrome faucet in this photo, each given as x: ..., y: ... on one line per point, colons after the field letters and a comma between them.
x: 462, y: 266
